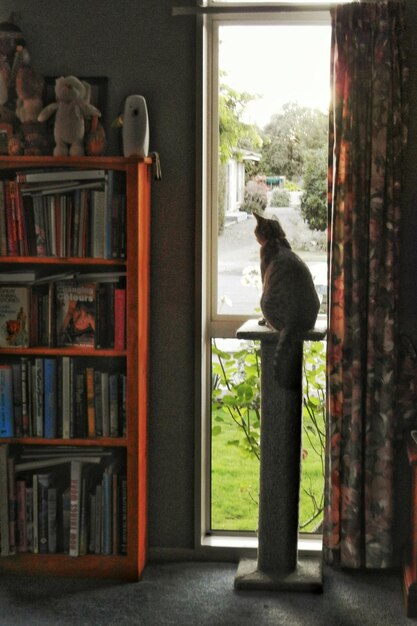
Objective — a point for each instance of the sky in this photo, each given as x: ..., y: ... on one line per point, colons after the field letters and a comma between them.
x: 280, y: 63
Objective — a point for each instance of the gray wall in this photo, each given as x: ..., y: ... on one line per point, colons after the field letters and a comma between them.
x: 142, y: 49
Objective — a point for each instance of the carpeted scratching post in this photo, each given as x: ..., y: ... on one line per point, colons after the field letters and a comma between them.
x: 278, y: 565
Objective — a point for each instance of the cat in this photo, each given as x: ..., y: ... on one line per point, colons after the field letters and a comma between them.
x: 289, y: 301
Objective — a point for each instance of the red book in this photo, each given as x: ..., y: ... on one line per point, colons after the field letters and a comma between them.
x: 119, y: 318
x: 11, y: 221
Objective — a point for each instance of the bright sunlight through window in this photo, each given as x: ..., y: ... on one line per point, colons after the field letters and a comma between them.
x: 273, y: 98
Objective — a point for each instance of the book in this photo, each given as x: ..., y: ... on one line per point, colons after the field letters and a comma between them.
x: 4, y: 501
x: 50, y: 398
x: 25, y: 410
x: 17, y: 399
x: 107, y: 516
x: 11, y: 218
x: 22, y: 542
x: 29, y: 518
x: 66, y: 396
x: 58, y: 175
x: 14, y: 316
x: 91, y: 414
x: 6, y: 401
x: 37, y: 399
x: 52, y: 462
x: 119, y: 319
x: 75, y: 313
x: 12, y: 495
x: 3, y: 230
x: 44, y: 483
x: 52, y: 520
x: 24, y: 276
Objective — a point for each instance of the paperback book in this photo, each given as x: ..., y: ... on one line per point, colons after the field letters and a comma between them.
x: 75, y: 313
x: 14, y: 317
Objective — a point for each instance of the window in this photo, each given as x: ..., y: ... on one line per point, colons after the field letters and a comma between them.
x: 264, y: 72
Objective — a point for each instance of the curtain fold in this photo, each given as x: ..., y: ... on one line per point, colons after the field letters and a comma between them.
x: 366, y: 146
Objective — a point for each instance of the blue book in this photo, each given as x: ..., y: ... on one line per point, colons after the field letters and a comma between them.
x: 50, y: 398
x: 6, y: 401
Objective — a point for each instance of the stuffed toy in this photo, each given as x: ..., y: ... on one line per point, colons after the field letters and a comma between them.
x: 13, y: 55
x: 70, y: 109
x: 30, y: 137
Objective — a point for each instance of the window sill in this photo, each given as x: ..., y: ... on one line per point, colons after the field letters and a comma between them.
x: 306, y: 545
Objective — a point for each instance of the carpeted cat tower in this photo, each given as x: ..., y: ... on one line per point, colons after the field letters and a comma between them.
x: 279, y: 566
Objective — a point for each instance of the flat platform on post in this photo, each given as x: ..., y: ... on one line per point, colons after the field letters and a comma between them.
x: 253, y: 330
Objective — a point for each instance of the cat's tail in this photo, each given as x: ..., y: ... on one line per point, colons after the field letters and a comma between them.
x: 287, y: 359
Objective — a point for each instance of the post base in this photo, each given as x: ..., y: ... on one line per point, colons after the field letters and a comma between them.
x: 308, y: 576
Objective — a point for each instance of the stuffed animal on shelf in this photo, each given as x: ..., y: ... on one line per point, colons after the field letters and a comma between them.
x: 30, y: 138
x: 13, y: 56
x: 70, y: 109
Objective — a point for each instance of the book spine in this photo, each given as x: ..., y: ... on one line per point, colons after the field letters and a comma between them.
x: 91, y: 419
x: 4, y: 501
x: 43, y: 486
x: 24, y: 367
x: 116, y: 514
x: 17, y: 399
x: 105, y: 398
x: 114, y: 404
x: 29, y: 518
x: 35, y: 515
x: 3, y: 229
x: 52, y: 520
x: 40, y: 229
x: 38, y: 397
x: 119, y: 318
x: 107, y: 512
x: 6, y: 401
x: 109, y: 189
x: 124, y: 514
x: 12, y: 495
x: 11, y: 223
x: 66, y: 397
x: 98, y: 406
x: 22, y: 543
x: 75, y: 499
x: 50, y: 398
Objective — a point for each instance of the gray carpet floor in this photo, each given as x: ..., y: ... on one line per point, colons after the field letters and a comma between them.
x: 200, y: 594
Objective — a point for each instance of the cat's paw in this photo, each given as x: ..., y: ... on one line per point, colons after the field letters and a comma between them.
x: 262, y: 322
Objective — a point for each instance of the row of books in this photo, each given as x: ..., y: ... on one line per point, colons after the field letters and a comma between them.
x: 59, y: 313
x: 71, y: 501
x: 61, y: 398
x: 63, y: 213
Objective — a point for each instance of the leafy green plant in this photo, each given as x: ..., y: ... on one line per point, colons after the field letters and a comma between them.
x: 236, y: 400
x: 280, y: 198
x: 236, y: 394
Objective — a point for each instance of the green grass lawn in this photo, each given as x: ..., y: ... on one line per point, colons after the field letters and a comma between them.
x: 235, y: 480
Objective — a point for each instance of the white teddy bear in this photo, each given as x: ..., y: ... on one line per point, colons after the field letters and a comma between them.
x: 70, y: 108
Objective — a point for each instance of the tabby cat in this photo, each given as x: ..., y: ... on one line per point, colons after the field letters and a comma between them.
x: 289, y: 301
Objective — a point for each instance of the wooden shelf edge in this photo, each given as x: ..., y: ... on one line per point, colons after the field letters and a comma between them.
x: 88, y: 566
x: 409, y: 591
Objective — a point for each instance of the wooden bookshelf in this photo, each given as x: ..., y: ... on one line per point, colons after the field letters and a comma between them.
x: 137, y: 174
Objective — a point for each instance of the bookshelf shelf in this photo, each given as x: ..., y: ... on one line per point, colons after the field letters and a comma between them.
x: 128, y: 457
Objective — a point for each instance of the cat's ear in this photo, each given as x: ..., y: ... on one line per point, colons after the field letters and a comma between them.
x: 259, y: 218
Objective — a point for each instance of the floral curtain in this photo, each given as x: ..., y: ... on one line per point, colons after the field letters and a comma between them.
x: 367, y: 141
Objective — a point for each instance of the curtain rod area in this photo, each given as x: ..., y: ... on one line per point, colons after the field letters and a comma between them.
x: 282, y: 8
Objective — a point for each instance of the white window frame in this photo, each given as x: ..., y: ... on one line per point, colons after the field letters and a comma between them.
x: 212, y: 323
